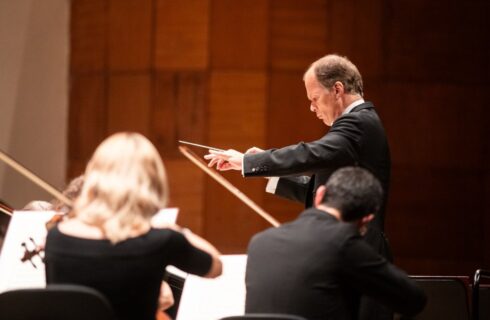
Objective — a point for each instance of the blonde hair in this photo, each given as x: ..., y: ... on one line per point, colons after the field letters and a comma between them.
x: 125, y: 185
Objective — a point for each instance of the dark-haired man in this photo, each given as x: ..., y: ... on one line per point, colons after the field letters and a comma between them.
x: 318, y: 266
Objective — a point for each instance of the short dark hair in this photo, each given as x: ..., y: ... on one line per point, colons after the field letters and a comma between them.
x: 354, y: 191
x: 333, y: 68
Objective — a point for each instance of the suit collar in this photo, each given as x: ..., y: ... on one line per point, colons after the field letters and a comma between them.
x: 365, y: 105
x: 319, y: 214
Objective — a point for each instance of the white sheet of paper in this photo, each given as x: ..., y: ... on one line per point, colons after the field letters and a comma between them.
x: 167, y: 215
x: 15, y: 274
x: 211, y: 299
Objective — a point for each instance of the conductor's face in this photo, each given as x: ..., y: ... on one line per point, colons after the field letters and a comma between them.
x: 323, y: 101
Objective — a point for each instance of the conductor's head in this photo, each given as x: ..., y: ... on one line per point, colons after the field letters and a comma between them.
x: 125, y: 185
x: 354, y: 192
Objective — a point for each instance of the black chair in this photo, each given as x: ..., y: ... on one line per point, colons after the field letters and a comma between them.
x: 55, y: 302
x: 481, y: 296
x: 176, y: 284
x: 447, y: 297
x: 264, y: 316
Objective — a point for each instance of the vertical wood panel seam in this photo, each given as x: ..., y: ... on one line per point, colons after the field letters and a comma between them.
x: 106, y: 73
x: 152, y: 72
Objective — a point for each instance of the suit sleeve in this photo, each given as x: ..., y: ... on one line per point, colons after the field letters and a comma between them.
x: 339, y: 147
x: 369, y: 273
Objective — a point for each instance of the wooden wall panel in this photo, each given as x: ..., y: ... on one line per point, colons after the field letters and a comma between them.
x: 484, y: 246
x: 437, y: 152
x: 438, y: 41
x: 88, y: 35
x: 435, y: 131
x: 87, y: 120
x: 239, y: 34
x: 426, y: 201
x: 130, y: 23
x: 363, y: 21
x: 182, y: 34
x: 179, y: 109
x: 229, y: 223
x: 164, y: 126
x: 289, y: 112
x: 298, y: 33
x: 229, y: 73
x: 186, y: 192
x: 128, y: 107
x: 236, y: 120
x: 237, y: 114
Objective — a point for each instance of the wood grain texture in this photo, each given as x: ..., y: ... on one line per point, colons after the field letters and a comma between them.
x: 357, y: 31
x: 128, y: 107
x: 298, y: 33
x: 186, y: 192
x: 88, y: 35
x: 438, y: 42
x: 182, y: 35
x: 237, y: 109
x: 229, y: 74
x: 239, y: 34
x: 87, y: 117
x: 288, y: 107
x: 179, y: 109
x: 130, y: 34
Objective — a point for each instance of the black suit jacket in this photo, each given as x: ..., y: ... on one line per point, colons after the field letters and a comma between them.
x: 317, y: 267
x: 355, y: 139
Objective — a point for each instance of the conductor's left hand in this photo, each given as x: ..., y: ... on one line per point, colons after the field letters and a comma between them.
x: 225, y: 160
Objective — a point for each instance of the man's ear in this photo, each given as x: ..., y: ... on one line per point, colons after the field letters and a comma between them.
x: 366, y: 219
x: 362, y: 224
x: 320, y: 192
x: 338, y: 88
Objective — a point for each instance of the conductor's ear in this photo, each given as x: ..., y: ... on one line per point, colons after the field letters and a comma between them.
x: 320, y: 193
x: 339, y: 88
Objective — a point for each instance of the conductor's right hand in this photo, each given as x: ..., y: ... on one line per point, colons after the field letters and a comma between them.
x: 225, y: 160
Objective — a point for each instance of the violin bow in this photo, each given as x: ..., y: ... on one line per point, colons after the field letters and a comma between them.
x: 5, y: 209
x: 33, y: 178
x: 225, y: 183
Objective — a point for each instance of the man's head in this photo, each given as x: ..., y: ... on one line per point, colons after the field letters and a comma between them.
x: 353, y: 191
x: 332, y: 83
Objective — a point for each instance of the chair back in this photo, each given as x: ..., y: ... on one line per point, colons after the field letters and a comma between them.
x: 447, y: 297
x: 55, y: 302
x: 481, y: 296
x: 264, y: 316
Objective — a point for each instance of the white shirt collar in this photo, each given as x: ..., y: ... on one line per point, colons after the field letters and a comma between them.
x: 352, y: 106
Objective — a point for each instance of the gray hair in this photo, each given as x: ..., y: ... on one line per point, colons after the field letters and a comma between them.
x: 332, y: 68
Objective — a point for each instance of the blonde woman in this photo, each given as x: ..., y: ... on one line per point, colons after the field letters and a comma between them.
x: 109, y: 243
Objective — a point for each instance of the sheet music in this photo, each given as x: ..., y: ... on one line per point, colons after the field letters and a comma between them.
x: 15, y: 274
x: 27, y: 225
x: 167, y: 215
x: 211, y: 299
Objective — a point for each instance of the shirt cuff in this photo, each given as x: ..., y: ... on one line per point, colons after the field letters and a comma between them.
x: 272, y: 185
x: 243, y: 170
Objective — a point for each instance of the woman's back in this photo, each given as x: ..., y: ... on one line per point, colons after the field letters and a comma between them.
x: 108, y: 242
x: 128, y: 273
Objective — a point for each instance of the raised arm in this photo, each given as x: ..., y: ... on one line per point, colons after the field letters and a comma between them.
x: 200, y: 243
